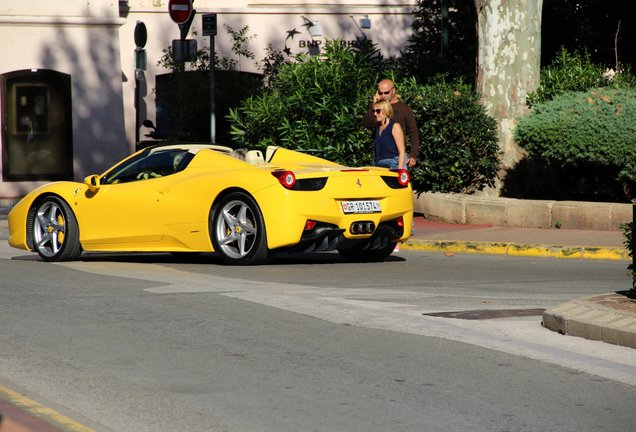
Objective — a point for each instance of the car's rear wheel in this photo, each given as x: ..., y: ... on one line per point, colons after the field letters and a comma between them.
x: 368, y: 255
x: 238, y: 230
x: 55, y: 231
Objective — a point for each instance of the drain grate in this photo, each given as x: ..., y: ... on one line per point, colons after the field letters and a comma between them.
x: 486, y: 314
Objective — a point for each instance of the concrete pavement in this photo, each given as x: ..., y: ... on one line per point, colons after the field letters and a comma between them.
x: 610, y: 317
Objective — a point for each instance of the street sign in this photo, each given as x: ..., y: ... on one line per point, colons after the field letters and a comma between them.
x: 184, y: 50
x: 209, y: 24
x: 140, y: 59
x: 180, y: 10
x: 141, y: 35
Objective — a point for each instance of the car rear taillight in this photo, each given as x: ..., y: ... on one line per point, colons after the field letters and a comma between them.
x: 401, y: 181
x: 403, y: 177
x: 310, y: 224
x: 286, y: 178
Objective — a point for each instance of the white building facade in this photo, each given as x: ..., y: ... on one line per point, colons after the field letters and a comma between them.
x: 67, y: 78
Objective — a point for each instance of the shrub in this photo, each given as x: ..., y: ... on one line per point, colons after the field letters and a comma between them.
x: 590, y: 131
x: 459, y: 150
x: 574, y: 71
x: 316, y: 104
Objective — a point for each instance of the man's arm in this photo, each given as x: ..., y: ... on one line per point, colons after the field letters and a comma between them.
x: 368, y: 121
x: 414, y: 135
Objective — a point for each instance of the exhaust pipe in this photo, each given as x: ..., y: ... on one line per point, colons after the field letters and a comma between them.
x: 362, y: 227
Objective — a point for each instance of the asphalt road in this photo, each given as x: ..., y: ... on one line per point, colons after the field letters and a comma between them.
x: 310, y: 343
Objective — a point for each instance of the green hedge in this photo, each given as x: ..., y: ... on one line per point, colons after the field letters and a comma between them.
x: 592, y: 131
x: 459, y: 150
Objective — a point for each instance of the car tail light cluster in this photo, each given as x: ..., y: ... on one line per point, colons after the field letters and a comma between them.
x: 289, y: 181
x: 401, y: 181
x: 286, y: 178
x: 403, y: 177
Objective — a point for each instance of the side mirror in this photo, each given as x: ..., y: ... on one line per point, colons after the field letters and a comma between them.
x: 92, y: 181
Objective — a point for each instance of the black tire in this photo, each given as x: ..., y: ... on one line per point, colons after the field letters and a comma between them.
x: 237, y: 230
x: 55, y: 231
x: 368, y: 255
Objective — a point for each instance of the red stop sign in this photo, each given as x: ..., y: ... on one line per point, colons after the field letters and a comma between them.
x: 180, y: 10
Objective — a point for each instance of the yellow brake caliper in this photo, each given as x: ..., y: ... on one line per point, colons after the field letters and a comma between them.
x: 60, y: 235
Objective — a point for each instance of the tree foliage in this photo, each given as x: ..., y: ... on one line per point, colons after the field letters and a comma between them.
x: 428, y: 55
x: 605, y: 29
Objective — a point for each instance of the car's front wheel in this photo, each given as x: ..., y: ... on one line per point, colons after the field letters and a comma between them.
x: 238, y: 230
x: 55, y: 231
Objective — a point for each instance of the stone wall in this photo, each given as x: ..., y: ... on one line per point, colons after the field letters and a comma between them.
x: 469, y: 209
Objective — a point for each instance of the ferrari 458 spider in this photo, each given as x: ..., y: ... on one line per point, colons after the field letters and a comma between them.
x: 243, y: 205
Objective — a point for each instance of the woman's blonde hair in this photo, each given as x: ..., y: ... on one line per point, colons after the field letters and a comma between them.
x: 385, y: 106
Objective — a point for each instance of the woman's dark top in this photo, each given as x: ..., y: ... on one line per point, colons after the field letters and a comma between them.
x: 385, y: 146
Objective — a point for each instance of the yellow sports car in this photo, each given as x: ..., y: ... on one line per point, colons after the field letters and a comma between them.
x: 243, y: 205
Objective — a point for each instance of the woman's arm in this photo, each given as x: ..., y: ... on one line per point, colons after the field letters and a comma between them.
x: 398, y: 136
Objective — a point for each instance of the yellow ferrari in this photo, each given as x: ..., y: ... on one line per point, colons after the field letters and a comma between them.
x: 245, y: 205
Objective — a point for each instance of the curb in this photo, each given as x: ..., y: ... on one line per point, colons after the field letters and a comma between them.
x: 594, y: 318
x: 519, y: 250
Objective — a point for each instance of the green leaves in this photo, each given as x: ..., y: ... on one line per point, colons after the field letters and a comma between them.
x: 592, y: 126
x: 592, y: 131
x: 315, y: 104
x: 574, y: 71
x: 458, y: 150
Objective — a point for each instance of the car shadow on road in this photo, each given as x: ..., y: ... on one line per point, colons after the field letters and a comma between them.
x: 283, y: 258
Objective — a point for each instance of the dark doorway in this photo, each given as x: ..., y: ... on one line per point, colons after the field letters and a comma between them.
x: 37, y: 129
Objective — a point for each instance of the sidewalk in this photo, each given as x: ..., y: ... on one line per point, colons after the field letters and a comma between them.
x: 513, y: 241
x: 610, y: 317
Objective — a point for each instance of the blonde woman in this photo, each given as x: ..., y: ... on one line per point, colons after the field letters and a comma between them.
x: 390, y: 151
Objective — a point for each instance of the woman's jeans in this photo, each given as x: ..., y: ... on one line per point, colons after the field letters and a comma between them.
x: 391, y: 163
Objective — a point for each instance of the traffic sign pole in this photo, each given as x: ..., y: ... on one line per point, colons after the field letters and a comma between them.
x: 141, y: 37
x: 209, y: 29
x: 182, y: 14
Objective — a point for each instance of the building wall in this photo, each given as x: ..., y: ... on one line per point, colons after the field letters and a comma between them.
x: 92, y: 40
x: 79, y: 38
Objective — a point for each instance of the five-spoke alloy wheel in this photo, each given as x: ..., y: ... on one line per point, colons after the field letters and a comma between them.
x: 55, y: 231
x: 238, y: 230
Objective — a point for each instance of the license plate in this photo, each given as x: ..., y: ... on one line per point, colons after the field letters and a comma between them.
x: 370, y: 206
